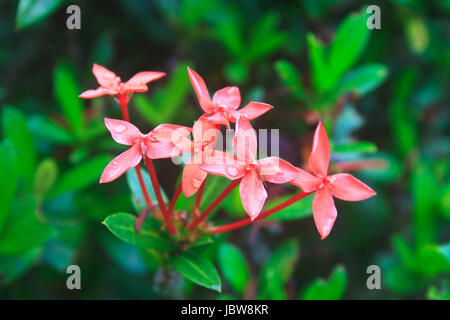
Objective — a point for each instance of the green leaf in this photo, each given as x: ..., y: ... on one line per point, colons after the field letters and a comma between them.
x: 434, y: 259
x: 363, y: 80
x: 30, y: 12
x: 333, y: 289
x: 277, y: 270
x: 81, y: 176
x: 8, y: 179
x: 122, y: 225
x: 13, y: 267
x: 320, y: 72
x: 297, y: 210
x: 45, y: 177
x: 198, y: 269
x: 291, y: 78
x: 66, y: 92
x: 443, y: 293
x: 44, y: 128
x: 265, y: 38
x: 137, y: 197
x: 237, y: 71
x: 23, y: 230
x: 352, y: 37
x: 14, y: 128
x: 360, y: 147
x: 233, y: 266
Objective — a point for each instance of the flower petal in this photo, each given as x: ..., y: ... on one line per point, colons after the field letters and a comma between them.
x: 306, y: 181
x: 320, y: 153
x: 145, y: 77
x: 276, y: 170
x: 244, y: 141
x: 347, y: 187
x: 324, y: 211
x: 204, y: 131
x: 161, y: 150
x: 105, y: 77
x: 201, y: 91
x: 122, y: 131
x: 193, y: 178
x: 222, y: 164
x: 253, y: 194
x: 229, y: 97
x: 170, y: 132
x: 252, y: 111
x: 120, y: 164
x: 218, y: 118
x: 89, y: 94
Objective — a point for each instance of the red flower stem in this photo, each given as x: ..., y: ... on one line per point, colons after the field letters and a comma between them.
x: 198, y: 199
x: 143, y: 187
x: 214, y: 204
x: 244, y: 222
x: 123, y: 102
x: 156, y: 187
x: 174, y: 200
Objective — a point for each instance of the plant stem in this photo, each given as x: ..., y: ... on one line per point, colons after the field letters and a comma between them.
x: 157, y: 189
x: 198, y: 199
x: 175, y: 197
x: 262, y: 215
x: 214, y: 204
x: 123, y: 102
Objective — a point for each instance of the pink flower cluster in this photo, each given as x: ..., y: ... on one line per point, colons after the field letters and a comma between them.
x: 242, y: 166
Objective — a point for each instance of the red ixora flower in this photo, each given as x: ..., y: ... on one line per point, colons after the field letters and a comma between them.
x: 204, y: 134
x: 222, y: 109
x: 161, y: 142
x: 253, y: 172
x: 110, y: 83
x: 342, y: 185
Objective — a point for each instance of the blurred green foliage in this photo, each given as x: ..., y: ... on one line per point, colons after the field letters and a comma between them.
x: 382, y: 94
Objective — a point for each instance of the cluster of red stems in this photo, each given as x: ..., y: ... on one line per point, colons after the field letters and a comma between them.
x: 242, y: 168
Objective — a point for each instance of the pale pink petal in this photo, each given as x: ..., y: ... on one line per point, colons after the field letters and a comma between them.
x: 178, y: 135
x: 306, y: 181
x: 223, y: 164
x: 324, y: 211
x: 244, y: 141
x: 276, y: 170
x: 145, y: 77
x: 218, y: 118
x: 122, y: 131
x: 252, y: 111
x: 120, y: 164
x: 89, y: 94
x: 193, y: 178
x: 134, y: 88
x: 204, y: 131
x: 105, y: 77
x: 346, y: 187
x: 161, y: 150
x: 253, y: 194
x: 320, y: 153
x: 228, y: 97
x: 201, y: 91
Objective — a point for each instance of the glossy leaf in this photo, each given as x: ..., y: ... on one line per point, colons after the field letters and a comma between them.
x: 8, y: 179
x: 66, y: 92
x: 332, y: 289
x: 290, y: 78
x: 30, y: 12
x: 363, y: 80
x: 45, y: 177
x: 233, y: 266
x: 122, y: 225
x: 198, y: 269
x: 14, y: 128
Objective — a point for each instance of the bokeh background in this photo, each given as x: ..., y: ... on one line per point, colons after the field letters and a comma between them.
x: 383, y: 95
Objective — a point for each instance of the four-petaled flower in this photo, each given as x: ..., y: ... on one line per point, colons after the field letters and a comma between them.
x: 204, y: 135
x: 342, y: 185
x: 161, y: 142
x: 244, y: 165
x: 222, y: 109
x: 110, y: 83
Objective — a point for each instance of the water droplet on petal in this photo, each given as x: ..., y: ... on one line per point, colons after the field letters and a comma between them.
x: 196, y: 183
x: 121, y: 128
x: 232, y: 171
